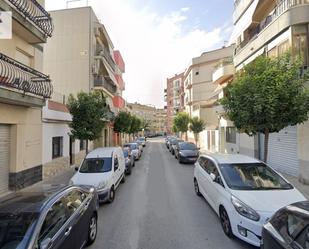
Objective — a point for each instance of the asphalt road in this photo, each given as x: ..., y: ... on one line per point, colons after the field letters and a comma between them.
x: 156, y: 208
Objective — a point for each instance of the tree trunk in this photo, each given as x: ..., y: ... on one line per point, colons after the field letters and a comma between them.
x: 266, y: 145
x: 186, y: 136
x: 86, y: 146
x: 195, y: 137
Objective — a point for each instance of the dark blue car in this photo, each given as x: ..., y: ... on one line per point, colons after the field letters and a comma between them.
x: 52, y: 218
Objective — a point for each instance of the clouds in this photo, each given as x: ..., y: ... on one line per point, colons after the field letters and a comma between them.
x: 154, y: 47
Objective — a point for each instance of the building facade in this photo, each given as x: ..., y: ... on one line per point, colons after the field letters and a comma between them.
x: 272, y: 28
x: 202, y: 93
x: 81, y: 57
x: 174, y: 98
x: 161, y: 121
x: 23, y: 91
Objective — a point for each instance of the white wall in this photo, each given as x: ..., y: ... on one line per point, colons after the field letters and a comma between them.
x: 51, y: 130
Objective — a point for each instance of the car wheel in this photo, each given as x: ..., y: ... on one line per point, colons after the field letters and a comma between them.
x: 196, y: 188
x: 93, y: 228
x: 123, y: 180
x: 225, y: 223
x: 111, y: 196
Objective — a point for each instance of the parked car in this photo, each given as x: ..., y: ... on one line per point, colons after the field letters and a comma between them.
x: 140, y: 145
x: 135, y: 150
x: 52, y: 218
x: 129, y: 160
x: 142, y: 140
x: 103, y: 168
x: 288, y: 228
x: 173, y: 144
x: 243, y: 191
x: 186, y: 152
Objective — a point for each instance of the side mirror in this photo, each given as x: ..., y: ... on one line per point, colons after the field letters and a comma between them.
x: 213, y: 176
x: 46, y: 243
x: 76, y: 168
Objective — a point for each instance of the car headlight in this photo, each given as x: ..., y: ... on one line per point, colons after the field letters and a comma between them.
x: 101, y: 185
x: 244, y: 209
x: 180, y: 153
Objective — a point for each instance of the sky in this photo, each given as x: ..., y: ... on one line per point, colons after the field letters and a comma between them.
x: 158, y: 38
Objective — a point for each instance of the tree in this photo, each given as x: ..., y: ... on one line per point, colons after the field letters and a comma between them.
x: 181, y: 122
x: 89, y: 115
x: 267, y: 96
x: 145, y: 124
x: 135, y: 125
x: 122, y: 122
x: 196, y: 126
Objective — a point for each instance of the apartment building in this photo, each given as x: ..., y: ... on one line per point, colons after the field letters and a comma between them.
x: 79, y: 57
x: 271, y: 27
x: 202, y: 93
x: 146, y: 113
x: 23, y: 91
x: 174, y: 98
x: 161, y: 121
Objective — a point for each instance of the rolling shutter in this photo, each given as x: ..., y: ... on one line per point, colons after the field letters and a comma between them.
x: 282, y: 151
x: 4, y: 157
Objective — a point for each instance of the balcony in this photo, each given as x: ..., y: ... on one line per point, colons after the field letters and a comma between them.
x: 240, y: 6
x: 120, y: 82
x: 104, y: 52
x: 224, y: 71
x: 30, y: 20
x: 119, y: 60
x: 20, y: 77
x: 101, y: 82
x: 285, y: 14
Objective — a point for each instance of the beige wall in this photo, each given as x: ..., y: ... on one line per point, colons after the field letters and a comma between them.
x: 67, y: 53
x: 26, y: 136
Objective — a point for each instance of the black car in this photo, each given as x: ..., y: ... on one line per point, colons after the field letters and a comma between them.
x: 52, y: 218
x: 173, y: 143
x: 168, y: 141
x: 288, y: 228
x: 186, y: 152
x: 129, y: 160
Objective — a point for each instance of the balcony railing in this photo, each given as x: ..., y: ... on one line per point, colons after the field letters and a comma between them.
x: 14, y: 74
x: 102, y: 51
x: 224, y: 62
x: 281, y: 7
x: 108, y: 85
x: 32, y: 10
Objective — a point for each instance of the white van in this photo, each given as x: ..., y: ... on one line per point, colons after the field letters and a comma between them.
x: 103, y: 168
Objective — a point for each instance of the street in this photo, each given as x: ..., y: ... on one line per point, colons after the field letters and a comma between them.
x: 157, y: 208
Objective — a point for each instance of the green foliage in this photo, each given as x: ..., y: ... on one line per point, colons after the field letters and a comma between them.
x: 122, y: 122
x: 174, y: 128
x: 196, y: 125
x: 89, y: 115
x: 267, y: 95
x: 135, y: 125
x: 145, y: 125
x: 181, y: 122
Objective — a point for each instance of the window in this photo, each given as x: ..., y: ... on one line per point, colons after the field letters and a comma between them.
x: 57, y: 147
x: 96, y: 165
x: 231, y: 135
x: 74, y: 200
x: 54, y: 220
x: 210, y: 167
x: 82, y: 144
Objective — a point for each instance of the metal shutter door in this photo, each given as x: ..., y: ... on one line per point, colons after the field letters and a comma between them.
x: 282, y: 154
x: 4, y: 157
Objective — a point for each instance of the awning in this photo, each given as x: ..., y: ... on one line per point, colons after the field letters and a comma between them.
x: 110, y: 73
x: 244, y: 22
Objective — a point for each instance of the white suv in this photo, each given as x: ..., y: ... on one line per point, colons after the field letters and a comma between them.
x: 243, y: 191
x: 103, y: 168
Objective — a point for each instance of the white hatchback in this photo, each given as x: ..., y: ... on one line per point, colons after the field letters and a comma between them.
x: 103, y: 168
x: 243, y: 191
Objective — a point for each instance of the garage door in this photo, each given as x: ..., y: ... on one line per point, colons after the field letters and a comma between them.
x: 4, y: 157
x: 282, y: 154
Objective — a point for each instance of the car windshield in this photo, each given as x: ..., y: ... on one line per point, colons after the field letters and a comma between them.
x: 142, y: 139
x: 252, y: 176
x: 186, y: 146
x: 15, y: 229
x: 96, y: 165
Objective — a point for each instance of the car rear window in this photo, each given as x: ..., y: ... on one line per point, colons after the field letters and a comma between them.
x: 186, y: 146
x: 15, y: 229
x: 96, y: 165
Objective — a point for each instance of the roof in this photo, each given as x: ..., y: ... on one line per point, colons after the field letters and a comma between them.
x: 102, y: 152
x: 231, y: 158
x: 29, y: 202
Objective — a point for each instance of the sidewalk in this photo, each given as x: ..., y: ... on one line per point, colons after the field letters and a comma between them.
x: 304, y: 189
x: 62, y: 178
